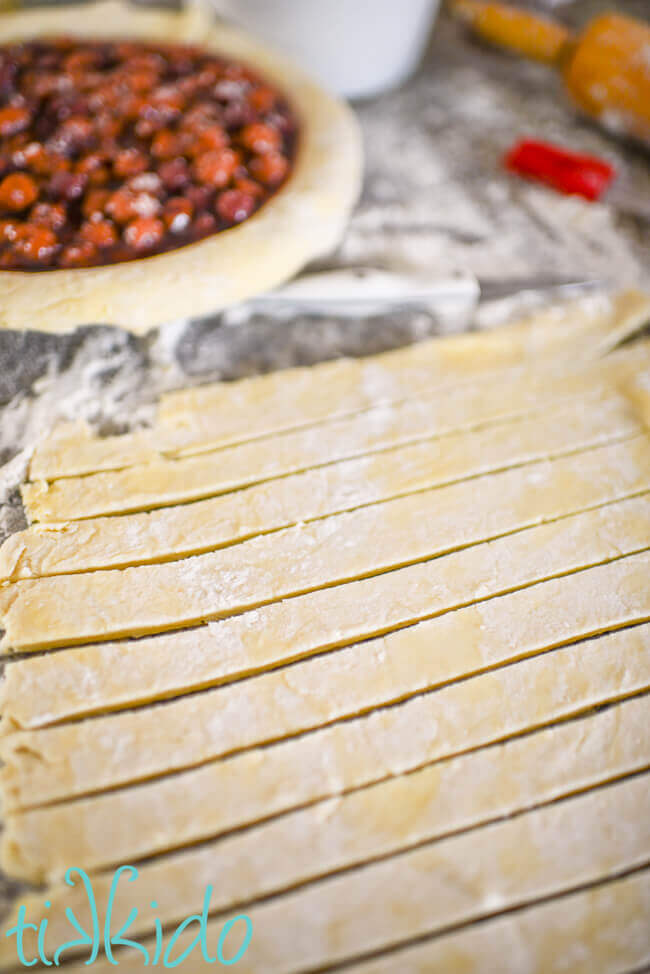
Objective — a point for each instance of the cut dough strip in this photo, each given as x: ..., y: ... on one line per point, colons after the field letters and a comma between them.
x: 46, y: 689
x: 162, y: 482
x: 61, y: 762
x: 116, y: 542
x: 457, y: 794
x: 541, y: 853
x: 126, y: 825
x: 602, y: 929
x: 331, y: 388
x: 238, y: 411
x: 43, y: 612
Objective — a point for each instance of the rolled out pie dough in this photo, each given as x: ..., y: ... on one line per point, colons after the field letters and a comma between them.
x: 115, y: 542
x: 60, y: 762
x: 44, y: 689
x: 303, y: 220
x: 384, y: 761
x: 544, y: 852
x: 226, y: 413
x: 600, y: 929
x: 456, y: 794
x: 42, y: 612
x: 125, y: 825
x: 165, y: 481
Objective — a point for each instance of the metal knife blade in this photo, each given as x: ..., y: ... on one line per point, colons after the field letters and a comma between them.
x: 354, y: 291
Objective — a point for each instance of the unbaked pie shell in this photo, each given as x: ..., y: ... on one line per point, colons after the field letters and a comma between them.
x: 303, y: 220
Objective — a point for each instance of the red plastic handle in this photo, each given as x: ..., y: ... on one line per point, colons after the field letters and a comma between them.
x: 568, y: 172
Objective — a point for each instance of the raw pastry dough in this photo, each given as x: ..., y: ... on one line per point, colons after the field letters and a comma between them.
x: 44, y: 689
x: 456, y: 794
x: 379, y: 750
x: 555, y: 334
x: 125, y: 825
x: 115, y: 542
x: 59, y: 762
x: 541, y: 853
x: 42, y: 612
x: 290, y: 399
x: 305, y: 219
x: 164, y: 481
x: 601, y: 929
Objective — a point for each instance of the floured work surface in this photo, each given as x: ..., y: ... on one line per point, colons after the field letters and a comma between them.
x: 391, y: 698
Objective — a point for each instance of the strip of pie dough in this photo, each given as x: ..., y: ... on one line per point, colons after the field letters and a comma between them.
x: 601, y: 929
x: 128, y: 824
x: 42, y: 690
x: 59, y: 762
x: 43, y: 612
x: 116, y: 542
x: 383, y: 819
x: 293, y: 398
x: 164, y: 481
x: 538, y: 854
x: 285, y: 400
x: 403, y: 372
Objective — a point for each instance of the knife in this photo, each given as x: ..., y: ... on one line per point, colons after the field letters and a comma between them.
x: 366, y: 291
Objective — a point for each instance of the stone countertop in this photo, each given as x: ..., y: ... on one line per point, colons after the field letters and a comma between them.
x: 435, y: 197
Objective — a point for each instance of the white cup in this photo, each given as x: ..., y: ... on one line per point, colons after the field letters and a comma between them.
x: 356, y: 48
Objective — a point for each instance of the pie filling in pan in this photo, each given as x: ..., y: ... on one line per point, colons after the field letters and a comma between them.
x: 112, y: 150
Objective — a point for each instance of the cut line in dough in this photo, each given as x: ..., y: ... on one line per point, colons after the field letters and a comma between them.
x: 601, y: 929
x: 541, y: 337
x: 42, y: 613
x: 162, y: 482
x: 538, y: 854
x: 122, y: 540
x: 452, y: 796
x: 126, y: 825
x: 46, y: 689
x: 251, y: 408
x: 62, y: 762
x: 305, y: 219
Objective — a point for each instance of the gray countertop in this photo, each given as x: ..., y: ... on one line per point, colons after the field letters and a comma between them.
x: 435, y: 197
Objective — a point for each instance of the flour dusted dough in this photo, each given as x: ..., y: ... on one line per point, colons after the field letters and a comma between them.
x: 305, y: 219
x: 226, y: 413
x: 601, y: 929
x: 125, y: 825
x: 541, y: 853
x: 116, y: 542
x: 385, y: 818
x: 42, y: 612
x: 164, y: 481
x: 44, y: 689
x: 60, y: 762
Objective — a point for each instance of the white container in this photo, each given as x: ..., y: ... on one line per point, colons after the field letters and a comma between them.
x: 356, y: 48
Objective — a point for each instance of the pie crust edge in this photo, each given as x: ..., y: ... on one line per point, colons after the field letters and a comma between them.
x: 302, y: 221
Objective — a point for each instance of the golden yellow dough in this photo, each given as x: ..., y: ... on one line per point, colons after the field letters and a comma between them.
x: 60, y: 762
x: 43, y: 612
x: 172, y: 532
x: 124, y: 825
x: 41, y: 690
x: 544, y: 852
x: 600, y: 929
x: 458, y: 793
x: 562, y: 338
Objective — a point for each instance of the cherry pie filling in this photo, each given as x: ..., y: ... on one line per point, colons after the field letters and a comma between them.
x: 111, y: 150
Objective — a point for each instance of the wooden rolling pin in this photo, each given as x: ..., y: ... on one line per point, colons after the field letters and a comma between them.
x: 606, y: 68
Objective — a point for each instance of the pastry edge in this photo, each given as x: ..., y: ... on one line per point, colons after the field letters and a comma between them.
x: 304, y: 220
